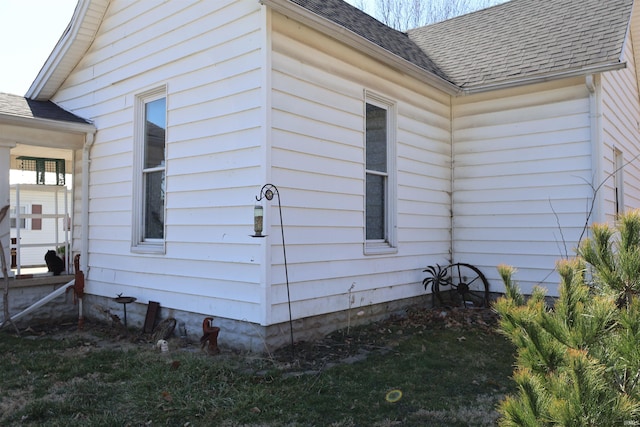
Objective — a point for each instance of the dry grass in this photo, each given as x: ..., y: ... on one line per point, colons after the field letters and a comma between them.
x: 452, y: 371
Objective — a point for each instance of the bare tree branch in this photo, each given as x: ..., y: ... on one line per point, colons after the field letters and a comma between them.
x: 406, y: 14
x: 564, y: 255
x: 595, y: 191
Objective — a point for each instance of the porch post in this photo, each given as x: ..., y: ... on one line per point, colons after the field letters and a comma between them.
x: 5, y: 165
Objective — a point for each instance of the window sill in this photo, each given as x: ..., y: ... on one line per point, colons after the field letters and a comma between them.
x: 155, y: 249
x: 379, y: 248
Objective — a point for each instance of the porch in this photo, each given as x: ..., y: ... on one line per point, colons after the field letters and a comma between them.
x: 41, y: 132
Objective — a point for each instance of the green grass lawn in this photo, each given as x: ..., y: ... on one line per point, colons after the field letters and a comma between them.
x: 447, y: 377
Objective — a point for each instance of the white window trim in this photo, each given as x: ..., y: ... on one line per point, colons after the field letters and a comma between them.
x: 138, y: 243
x: 389, y: 245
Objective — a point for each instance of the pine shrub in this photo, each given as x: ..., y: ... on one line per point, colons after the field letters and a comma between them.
x: 578, y: 361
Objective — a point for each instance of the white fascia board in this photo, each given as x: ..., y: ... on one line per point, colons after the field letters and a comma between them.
x: 359, y: 43
x: 58, y: 54
x: 62, y: 52
x: 57, y: 125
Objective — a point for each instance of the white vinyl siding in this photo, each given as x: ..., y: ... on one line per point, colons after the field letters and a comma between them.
x: 521, y: 179
x: 255, y: 97
x: 318, y: 163
x: 210, y: 57
x: 620, y: 108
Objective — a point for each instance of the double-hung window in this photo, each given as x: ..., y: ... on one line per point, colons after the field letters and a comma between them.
x: 150, y: 171
x: 380, y: 217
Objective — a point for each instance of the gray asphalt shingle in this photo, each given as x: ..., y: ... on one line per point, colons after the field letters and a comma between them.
x: 524, y: 38
x: 355, y: 20
x: 512, y: 41
x: 15, y: 105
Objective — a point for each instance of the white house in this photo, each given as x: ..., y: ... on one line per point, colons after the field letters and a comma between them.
x: 495, y: 137
x: 40, y: 218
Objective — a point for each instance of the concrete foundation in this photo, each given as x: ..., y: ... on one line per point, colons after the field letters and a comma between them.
x: 24, y: 292
x: 247, y: 336
x: 234, y: 334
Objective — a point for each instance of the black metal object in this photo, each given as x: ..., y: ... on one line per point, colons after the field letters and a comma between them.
x: 464, y: 284
x: 124, y: 301
x: 150, y: 318
x: 267, y: 192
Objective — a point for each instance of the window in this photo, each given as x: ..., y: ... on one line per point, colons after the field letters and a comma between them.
x: 32, y: 224
x: 149, y: 180
x: 618, y: 181
x: 36, y: 223
x: 14, y: 220
x: 380, y: 175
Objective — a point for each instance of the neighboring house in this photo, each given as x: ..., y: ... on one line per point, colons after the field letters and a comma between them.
x: 480, y: 140
x: 39, y: 216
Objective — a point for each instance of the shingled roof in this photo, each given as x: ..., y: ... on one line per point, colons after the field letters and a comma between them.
x: 523, y: 39
x: 515, y: 41
x: 519, y: 40
x: 355, y: 20
x: 18, y: 106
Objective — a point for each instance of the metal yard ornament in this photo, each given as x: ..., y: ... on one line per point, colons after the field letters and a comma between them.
x: 267, y: 192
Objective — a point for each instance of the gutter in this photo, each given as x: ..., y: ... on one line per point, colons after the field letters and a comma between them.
x: 580, y: 72
x: 84, y: 214
x: 356, y: 41
x: 47, y: 124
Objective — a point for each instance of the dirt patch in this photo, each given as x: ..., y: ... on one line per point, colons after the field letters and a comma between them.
x: 342, y: 346
x: 91, y: 335
x: 349, y: 346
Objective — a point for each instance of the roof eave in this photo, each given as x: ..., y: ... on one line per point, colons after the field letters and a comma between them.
x: 359, y: 43
x: 69, y: 50
x: 542, y: 78
x: 47, y: 124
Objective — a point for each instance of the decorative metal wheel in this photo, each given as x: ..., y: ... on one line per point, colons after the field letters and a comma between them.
x: 458, y: 284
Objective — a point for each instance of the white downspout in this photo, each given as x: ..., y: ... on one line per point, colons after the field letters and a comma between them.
x: 84, y: 250
x: 595, y: 118
x: 452, y: 165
